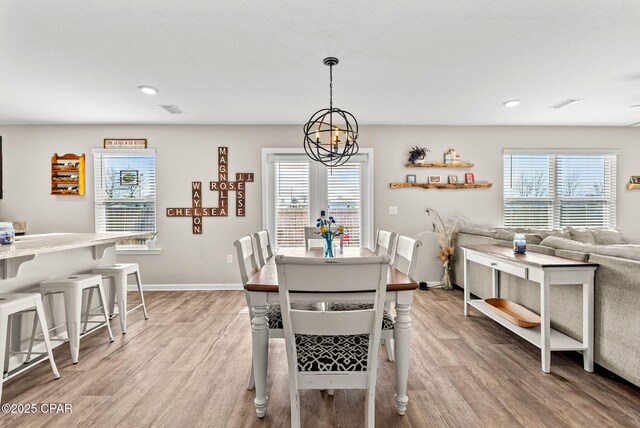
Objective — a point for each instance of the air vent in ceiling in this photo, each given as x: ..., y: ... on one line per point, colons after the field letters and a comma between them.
x: 172, y: 109
x: 566, y: 102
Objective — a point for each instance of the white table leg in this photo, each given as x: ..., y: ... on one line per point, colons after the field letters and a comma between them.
x: 260, y: 345
x: 466, y: 284
x: 587, y: 322
x: 402, y: 342
x: 545, y: 327
x: 495, y: 282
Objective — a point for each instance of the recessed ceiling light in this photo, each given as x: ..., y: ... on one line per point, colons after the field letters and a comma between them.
x: 511, y: 103
x: 149, y: 90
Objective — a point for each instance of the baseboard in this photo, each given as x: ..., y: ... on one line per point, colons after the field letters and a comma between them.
x: 188, y: 287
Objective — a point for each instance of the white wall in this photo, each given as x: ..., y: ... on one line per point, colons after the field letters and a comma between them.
x: 189, y: 153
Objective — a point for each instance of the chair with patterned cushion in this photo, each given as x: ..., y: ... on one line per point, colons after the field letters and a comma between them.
x: 385, y: 242
x: 332, y: 349
x: 264, y: 251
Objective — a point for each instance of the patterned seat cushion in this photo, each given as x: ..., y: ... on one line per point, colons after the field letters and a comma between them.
x: 387, y: 319
x: 332, y: 353
x: 274, y: 315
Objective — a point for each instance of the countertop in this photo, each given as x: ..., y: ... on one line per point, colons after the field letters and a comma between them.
x: 46, y: 243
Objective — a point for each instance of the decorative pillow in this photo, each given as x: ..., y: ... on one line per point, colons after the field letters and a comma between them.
x: 546, y: 232
x: 608, y: 237
x: 479, y: 230
x: 581, y: 235
x: 504, y: 235
x: 566, y: 244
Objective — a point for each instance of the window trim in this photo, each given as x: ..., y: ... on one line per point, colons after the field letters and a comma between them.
x: 368, y: 184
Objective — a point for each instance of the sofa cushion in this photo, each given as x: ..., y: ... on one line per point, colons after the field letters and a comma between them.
x: 608, y: 237
x: 544, y: 233
x: 489, y: 232
x: 573, y: 255
x: 582, y: 235
x: 566, y: 244
x: 627, y: 251
x: 508, y: 235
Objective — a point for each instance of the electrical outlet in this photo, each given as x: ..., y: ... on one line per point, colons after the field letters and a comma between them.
x: 393, y: 210
x: 229, y: 258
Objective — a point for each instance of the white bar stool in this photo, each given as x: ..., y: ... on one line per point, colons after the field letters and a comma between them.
x: 120, y: 272
x: 72, y: 287
x: 19, y: 303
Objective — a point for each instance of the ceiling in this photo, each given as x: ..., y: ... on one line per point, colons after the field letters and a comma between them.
x: 254, y: 62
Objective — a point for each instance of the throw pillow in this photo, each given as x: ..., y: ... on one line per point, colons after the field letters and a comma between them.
x: 608, y: 237
x: 581, y: 235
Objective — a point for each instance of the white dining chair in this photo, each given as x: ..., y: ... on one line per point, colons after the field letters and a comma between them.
x: 313, y: 239
x: 263, y: 247
x: 332, y: 349
x: 385, y: 242
x: 248, y: 267
x: 406, y: 255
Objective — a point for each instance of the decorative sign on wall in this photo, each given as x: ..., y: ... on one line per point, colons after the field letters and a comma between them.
x: 223, y: 186
x: 125, y: 143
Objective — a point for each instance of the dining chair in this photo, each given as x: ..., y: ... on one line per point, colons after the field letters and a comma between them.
x: 332, y: 349
x: 385, y: 242
x: 248, y: 267
x: 263, y: 247
x: 406, y: 255
x: 312, y: 237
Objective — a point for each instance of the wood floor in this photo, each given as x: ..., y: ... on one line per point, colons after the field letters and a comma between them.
x: 187, y: 366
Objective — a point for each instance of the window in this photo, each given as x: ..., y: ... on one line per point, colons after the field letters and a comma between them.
x: 125, y: 191
x: 559, y: 189
x: 296, y: 189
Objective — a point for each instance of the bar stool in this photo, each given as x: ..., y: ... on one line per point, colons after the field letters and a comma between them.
x: 120, y: 272
x: 72, y: 287
x: 20, y: 303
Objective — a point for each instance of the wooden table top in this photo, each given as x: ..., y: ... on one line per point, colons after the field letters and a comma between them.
x: 266, y: 279
x: 530, y: 258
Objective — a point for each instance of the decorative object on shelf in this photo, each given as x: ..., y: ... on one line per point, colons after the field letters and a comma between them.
x: 328, y: 230
x: 442, y: 185
x: 469, y: 178
x: 411, y: 178
x: 129, y: 177
x: 435, y: 179
x: 514, y: 313
x: 7, y: 233
x: 223, y: 186
x: 417, y: 154
x: 439, y: 165
x: 453, y: 179
x: 330, y: 135
x: 152, y: 241
x: 446, y: 232
x: 67, y: 175
x: 635, y: 179
x: 452, y: 157
x: 125, y: 143
x: 519, y: 243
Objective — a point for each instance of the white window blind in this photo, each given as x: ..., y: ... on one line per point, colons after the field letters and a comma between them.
x: 291, y: 202
x: 557, y: 190
x: 125, y: 191
x: 344, y: 200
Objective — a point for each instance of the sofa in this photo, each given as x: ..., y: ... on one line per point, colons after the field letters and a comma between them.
x: 617, y: 287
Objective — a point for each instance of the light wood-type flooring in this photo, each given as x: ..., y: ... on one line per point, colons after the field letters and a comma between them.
x: 187, y: 367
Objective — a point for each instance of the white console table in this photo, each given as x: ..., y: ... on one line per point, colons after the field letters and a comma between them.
x: 547, y: 271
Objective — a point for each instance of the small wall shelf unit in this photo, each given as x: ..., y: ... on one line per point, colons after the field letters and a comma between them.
x: 439, y: 165
x: 67, y: 175
x: 442, y: 185
x: 633, y: 186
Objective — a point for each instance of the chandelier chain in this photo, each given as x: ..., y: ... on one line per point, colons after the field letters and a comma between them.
x: 331, y: 86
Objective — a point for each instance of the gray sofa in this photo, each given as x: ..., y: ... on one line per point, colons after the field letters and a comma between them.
x: 617, y: 288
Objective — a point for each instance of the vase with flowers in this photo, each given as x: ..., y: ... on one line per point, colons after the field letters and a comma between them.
x: 446, y: 231
x: 328, y: 229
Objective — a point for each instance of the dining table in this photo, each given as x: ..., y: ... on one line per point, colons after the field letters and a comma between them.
x: 262, y: 290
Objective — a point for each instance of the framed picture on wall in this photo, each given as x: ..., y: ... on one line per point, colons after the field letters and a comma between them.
x: 469, y: 178
x: 453, y: 179
x: 129, y: 177
x: 411, y: 178
x: 635, y: 179
x: 435, y: 179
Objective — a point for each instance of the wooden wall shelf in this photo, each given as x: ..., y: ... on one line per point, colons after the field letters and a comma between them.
x: 67, y: 175
x: 633, y: 186
x: 442, y: 185
x: 439, y: 165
